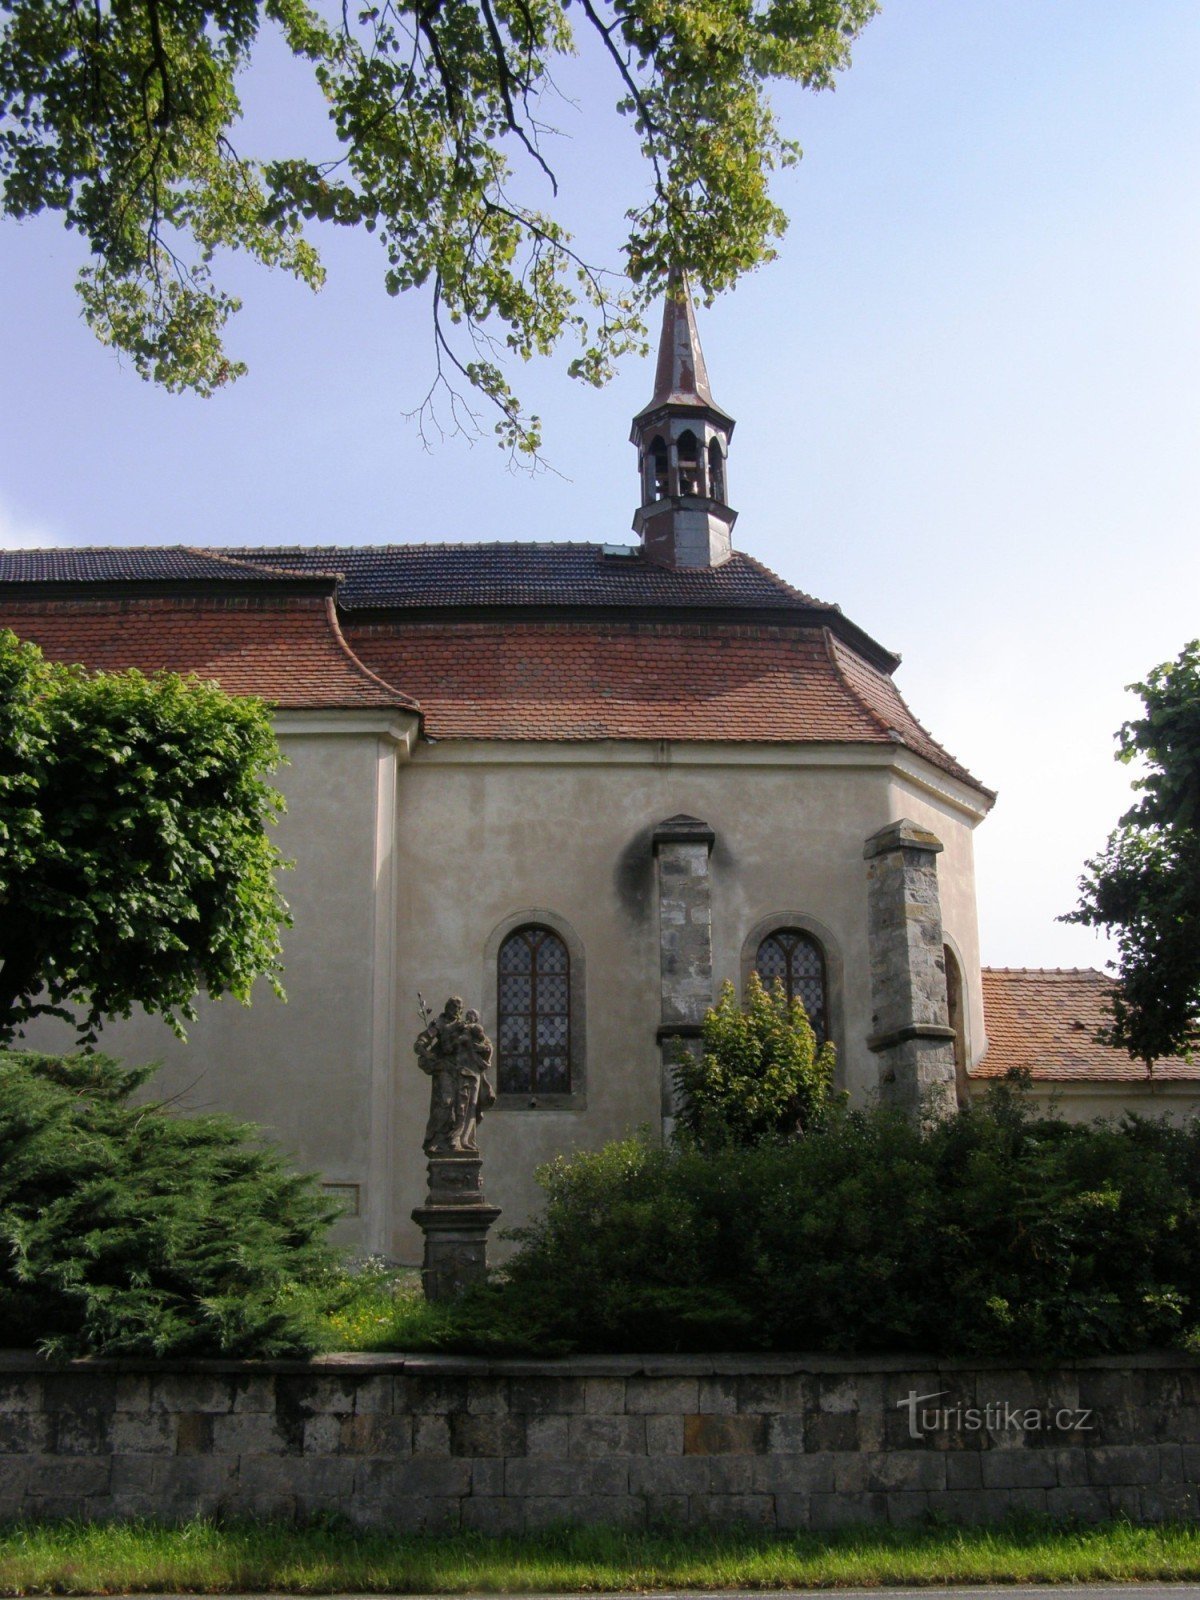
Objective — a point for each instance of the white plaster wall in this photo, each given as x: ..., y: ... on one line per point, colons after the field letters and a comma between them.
x: 1082, y: 1102
x: 487, y: 831
x: 302, y: 1070
x: 387, y: 904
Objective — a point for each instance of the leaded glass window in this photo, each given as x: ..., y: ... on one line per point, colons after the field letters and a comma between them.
x: 534, y: 1033
x: 794, y: 958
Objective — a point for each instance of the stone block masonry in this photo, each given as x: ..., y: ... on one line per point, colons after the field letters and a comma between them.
x: 682, y: 846
x: 911, y: 1033
x: 438, y: 1443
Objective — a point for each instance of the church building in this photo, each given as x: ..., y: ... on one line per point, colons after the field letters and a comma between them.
x: 580, y: 785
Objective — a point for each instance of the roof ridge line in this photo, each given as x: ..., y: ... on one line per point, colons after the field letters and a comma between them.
x: 1065, y: 972
x: 256, y: 567
x: 411, y: 544
x: 916, y: 721
x: 810, y: 600
x: 893, y: 734
x: 73, y: 549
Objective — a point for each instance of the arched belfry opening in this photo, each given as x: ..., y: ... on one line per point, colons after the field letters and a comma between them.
x: 682, y: 438
x: 687, y: 454
x: 658, y: 484
x: 716, y: 470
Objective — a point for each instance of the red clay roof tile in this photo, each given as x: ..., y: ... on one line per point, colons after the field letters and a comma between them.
x: 628, y: 651
x: 640, y: 680
x: 287, y: 649
x: 879, y: 695
x: 1045, y: 1021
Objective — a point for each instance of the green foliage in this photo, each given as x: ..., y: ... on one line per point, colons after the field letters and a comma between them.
x: 135, y: 867
x: 995, y: 1233
x: 1145, y: 887
x: 125, y: 1230
x: 120, y: 117
x: 373, y: 1306
x: 761, y: 1074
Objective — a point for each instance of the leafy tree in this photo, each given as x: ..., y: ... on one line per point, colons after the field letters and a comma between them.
x: 135, y: 868
x: 760, y: 1075
x: 119, y: 116
x: 1146, y: 885
x: 128, y: 1231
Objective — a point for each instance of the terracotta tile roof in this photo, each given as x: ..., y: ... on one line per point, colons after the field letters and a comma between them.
x: 632, y: 680
x: 138, y: 564
x: 522, y: 574
x: 879, y: 695
x: 287, y: 649
x: 592, y: 645
x: 1046, y: 1020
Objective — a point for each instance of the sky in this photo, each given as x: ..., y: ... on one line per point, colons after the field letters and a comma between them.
x: 967, y: 392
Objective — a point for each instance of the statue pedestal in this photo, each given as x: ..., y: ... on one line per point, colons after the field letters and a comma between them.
x: 455, y: 1220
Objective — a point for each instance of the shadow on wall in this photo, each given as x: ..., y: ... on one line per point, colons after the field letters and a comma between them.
x: 633, y: 875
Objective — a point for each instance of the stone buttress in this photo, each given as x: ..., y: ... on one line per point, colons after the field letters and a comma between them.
x: 911, y: 1032
x: 682, y: 848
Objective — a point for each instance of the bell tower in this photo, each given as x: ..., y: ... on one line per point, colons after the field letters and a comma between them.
x: 682, y: 439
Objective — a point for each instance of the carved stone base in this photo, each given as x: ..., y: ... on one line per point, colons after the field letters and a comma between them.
x: 455, y: 1180
x: 455, y: 1220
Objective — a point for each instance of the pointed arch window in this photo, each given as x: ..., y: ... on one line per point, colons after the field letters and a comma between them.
x: 533, y: 990
x: 687, y: 454
x: 792, y: 957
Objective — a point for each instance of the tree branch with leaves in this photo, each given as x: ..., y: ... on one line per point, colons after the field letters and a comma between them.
x: 1145, y: 886
x: 119, y: 116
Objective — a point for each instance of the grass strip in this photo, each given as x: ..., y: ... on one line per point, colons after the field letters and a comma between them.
x: 204, y: 1557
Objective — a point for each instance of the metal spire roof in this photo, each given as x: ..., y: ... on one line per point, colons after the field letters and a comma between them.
x: 681, y: 377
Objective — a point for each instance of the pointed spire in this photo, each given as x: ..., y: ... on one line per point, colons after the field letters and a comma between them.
x: 681, y: 377
x: 681, y: 373
x: 682, y: 438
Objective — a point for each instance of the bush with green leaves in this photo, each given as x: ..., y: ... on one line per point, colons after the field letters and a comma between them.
x: 128, y: 1230
x: 135, y: 864
x: 999, y: 1232
x: 761, y: 1073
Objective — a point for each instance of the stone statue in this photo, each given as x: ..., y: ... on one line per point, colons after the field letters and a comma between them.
x: 456, y: 1053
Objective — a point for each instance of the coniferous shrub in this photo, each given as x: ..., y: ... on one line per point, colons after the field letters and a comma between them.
x: 127, y: 1230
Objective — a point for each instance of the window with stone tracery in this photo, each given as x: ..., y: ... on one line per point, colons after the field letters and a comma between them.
x: 794, y: 958
x: 533, y: 1036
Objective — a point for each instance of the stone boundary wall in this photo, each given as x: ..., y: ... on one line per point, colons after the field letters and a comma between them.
x: 438, y: 1443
